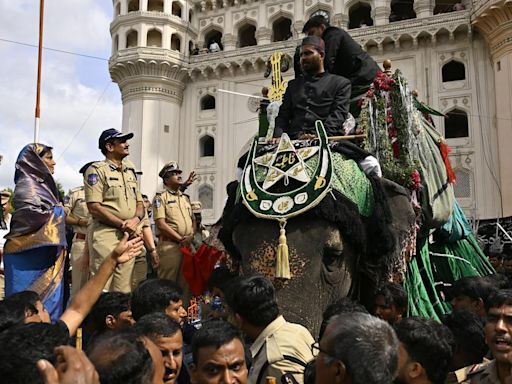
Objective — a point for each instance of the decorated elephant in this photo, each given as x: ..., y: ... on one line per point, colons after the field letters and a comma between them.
x: 344, y: 238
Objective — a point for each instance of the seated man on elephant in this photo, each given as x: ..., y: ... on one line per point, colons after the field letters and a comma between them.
x: 317, y: 95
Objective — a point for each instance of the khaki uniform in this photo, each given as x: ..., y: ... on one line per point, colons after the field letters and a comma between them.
x: 75, y: 205
x: 118, y: 192
x: 140, y: 267
x: 277, y: 340
x: 485, y: 373
x: 175, y: 208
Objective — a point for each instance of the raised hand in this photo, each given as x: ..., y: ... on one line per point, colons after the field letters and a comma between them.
x: 127, y: 249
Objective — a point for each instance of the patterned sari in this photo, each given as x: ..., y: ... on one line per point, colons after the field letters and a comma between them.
x: 35, y: 250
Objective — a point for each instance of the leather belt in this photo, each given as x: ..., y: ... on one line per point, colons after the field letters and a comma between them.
x: 80, y: 236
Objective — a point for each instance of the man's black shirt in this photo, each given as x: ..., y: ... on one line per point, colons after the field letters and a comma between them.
x: 309, y: 98
x: 344, y: 57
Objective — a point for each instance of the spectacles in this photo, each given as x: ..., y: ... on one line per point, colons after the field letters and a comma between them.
x: 315, y: 350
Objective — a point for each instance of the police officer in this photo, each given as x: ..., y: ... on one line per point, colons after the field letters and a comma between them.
x: 201, y: 232
x: 77, y: 215
x: 115, y: 203
x: 175, y: 224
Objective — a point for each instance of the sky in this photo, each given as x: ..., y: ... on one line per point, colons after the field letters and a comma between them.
x: 78, y: 98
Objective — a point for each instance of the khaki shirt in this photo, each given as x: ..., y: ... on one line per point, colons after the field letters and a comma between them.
x: 75, y: 205
x: 281, y: 338
x: 115, y: 189
x: 485, y: 373
x: 175, y: 208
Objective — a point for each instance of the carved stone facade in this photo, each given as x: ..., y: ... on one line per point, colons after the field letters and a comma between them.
x: 186, y: 107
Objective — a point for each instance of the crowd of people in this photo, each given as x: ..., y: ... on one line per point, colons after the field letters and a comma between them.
x: 145, y: 336
x: 127, y: 320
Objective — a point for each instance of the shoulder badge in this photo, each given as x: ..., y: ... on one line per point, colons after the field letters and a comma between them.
x: 157, y: 202
x: 92, y: 179
x: 66, y: 199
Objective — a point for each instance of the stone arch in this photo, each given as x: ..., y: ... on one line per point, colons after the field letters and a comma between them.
x: 154, y: 38
x: 115, y: 44
x: 453, y: 70
x: 176, y: 8
x: 212, y: 34
x: 205, y: 196
x: 246, y: 34
x: 156, y: 5
x: 456, y: 124
x: 207, y: 102
x: 176, y: 42
x: 321, y: 10
x: 401, y: 10
x: 190, y: 15
x: 133, y: 6
x: 132, y: 38
x: 117, y: 9
x: 207, y: 146
x: 360, y: 14
x: 445, y: 6
x: 281, y: 28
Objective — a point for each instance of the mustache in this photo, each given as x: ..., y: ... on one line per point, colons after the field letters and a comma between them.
x: 506, y: 339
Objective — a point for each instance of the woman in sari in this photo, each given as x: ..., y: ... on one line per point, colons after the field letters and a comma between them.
x: 35, y: 250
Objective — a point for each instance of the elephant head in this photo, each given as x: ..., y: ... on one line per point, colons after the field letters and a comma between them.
x: 333, y: 251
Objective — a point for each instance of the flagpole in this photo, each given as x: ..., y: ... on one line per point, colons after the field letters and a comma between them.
x: 39, y: 59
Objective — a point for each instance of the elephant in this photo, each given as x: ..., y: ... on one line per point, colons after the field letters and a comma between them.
x: 333, y: 251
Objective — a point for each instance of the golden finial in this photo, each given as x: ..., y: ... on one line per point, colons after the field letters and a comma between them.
x: 387, y: 67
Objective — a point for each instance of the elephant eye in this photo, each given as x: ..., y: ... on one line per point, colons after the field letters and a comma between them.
x: 333, y: 254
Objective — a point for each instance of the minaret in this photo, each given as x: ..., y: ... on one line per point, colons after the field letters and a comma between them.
x: 493, y: 19
x: 151, y: 39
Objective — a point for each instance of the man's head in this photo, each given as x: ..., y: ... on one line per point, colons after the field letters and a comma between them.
x: 158, y: 295
x: 356, y: 348
x: 344, y: 305
x: 390, y: 302
x: 220, y: 278
x: 125, y: 358
x: 111, y: 312
x: 507, y: 265
x: 114, y: 144
x: 166, y: 334
x: 5, y: 200
x: 253, y: 301
x: 471, y: 293
x: 312, y: 53
x: 171, y: 175
x: 218, y: 355
x: 197, y: 208
x: 30, y: 302
x: 426, y: 348
x: 315, y: 26
x: 468, y: 331
x: 22, y: 346
x: 498, y: 328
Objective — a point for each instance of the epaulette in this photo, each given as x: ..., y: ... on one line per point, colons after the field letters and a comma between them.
x: 128, y: 164
x: 99, y: 164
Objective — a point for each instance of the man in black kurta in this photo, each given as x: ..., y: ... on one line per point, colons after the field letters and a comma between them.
x: 317, y: 95
x: 343, y: 56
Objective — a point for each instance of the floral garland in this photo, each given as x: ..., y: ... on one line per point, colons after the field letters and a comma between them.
x: 385, y: 120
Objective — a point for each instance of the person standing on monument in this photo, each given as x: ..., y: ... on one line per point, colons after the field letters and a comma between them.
x: 115, y: 203
x: 77, y: 215
x: 175, y: 225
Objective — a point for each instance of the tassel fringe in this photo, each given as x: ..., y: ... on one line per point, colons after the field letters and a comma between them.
x: 283, y: 262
